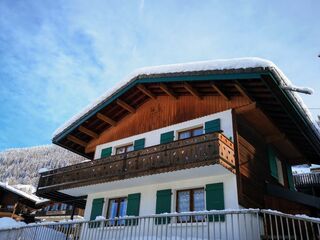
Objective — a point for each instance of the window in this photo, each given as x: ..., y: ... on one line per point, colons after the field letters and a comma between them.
x: 190, y: 133
x: 55, y: 207
x: 63, y: 207
x: 188, y: 201
x: 124, y: 149
x: 117, y: 208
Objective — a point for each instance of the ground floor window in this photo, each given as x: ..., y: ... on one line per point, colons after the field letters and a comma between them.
x: 190, y: 200
x: 117, y: 207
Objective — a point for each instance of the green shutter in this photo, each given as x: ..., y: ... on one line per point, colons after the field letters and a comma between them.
x: 212, y: 126
x: 163, y: 205
x: 133, y: 207
x: 139, y: 144
x: 215, y: 199
x: 273, y: 163
x: 290, y: 177
x: 106, y: 152
x: 166, y: 137
x: 96, y: 210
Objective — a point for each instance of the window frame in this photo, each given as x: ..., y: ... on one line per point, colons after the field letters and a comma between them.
x: 125, y: 147
x: 118, y: 200
x: 191, y: 130
x: 279, y: 170
x: 191, y: 203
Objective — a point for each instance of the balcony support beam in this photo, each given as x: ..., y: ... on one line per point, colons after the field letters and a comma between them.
x: 219, y: 91
x: 77, y: 141
x: 106, y: 119
x: 88, y: 132
x: 126, y: 106
x: 147, y: 92
x: 192, y: 90
x: 246, y: 108
x: 168, y: 91
x: 242, y: 91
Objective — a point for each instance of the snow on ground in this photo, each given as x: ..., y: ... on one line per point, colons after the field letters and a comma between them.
x: 221, y: 64
x: 8, y: 223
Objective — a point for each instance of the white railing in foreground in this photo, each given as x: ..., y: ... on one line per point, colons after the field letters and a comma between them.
x: 243, y: 224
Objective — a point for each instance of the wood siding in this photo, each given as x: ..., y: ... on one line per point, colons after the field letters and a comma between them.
x: 254, y: 172
x: 165, y: 111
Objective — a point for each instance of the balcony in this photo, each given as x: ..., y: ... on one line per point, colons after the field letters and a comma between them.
x: 311, y: 179
x: 204, y: 150
x: 68, y: 212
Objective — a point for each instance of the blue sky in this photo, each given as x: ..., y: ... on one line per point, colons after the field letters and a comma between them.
x: 58, y: 56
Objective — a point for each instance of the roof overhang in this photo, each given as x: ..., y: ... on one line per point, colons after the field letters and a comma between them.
x: 263, y: 85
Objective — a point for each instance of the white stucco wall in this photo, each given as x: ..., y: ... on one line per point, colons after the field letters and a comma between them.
x: 149, y: 191
x: 153, y: 137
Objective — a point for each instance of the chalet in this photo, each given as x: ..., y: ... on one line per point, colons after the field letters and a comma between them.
x: 17, y: 204
x: 188, y: 137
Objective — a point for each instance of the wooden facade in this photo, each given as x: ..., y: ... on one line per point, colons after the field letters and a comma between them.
x: 165, y: 111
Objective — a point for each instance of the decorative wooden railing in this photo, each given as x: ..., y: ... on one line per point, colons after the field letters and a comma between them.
x: 307, y: 179
x: 207, y: 149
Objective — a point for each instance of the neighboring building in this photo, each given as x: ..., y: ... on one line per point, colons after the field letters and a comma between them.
x: 17, y: 204
x: 308, y: 182
x: 54, y: 212
x: 188, y: 137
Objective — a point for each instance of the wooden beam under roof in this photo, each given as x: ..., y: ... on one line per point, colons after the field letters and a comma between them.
x: 218, y: 90
x: 88, y: 132
x: 147, y: 92
x: 276, y: 138
x: 242, y: 91
x: 106, y: 119
x: 192, y: 90
x: 168, y: 91
x: 77, y: 141
x: 246, y: 108
x: 126, y: 106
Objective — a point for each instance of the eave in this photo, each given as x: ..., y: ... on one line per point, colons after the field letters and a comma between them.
x: 261, y: 85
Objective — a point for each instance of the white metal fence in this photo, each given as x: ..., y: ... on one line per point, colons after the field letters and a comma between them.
x: 243, y: 224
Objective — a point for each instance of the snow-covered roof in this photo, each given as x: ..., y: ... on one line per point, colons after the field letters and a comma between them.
x: 212, y: 65
x: 21, y: 193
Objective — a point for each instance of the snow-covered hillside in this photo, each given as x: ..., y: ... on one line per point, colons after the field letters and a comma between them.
x: 21, y: 165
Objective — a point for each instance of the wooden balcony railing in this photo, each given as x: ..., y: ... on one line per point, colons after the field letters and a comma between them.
x: 307, y: 179
x: 207, y: 149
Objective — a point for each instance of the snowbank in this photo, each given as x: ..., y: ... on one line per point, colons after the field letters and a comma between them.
x: 9, y: 223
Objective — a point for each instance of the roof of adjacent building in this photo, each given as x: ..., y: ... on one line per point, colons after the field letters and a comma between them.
x: 29, y: 196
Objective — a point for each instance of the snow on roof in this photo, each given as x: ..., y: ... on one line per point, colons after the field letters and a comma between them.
x: 21, y: 193
x: 220, y: 64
